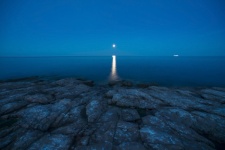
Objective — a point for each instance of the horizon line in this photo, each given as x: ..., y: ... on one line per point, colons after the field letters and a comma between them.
x: 113, y: 54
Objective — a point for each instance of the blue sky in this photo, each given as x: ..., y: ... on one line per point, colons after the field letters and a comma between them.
x: 90, y: 27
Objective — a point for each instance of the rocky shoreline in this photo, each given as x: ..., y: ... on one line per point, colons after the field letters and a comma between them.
x: 76, y: 114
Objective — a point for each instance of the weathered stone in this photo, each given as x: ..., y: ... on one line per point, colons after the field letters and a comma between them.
x: 126, y: 83
x: 15, y: 85
x: 219, y: 111
x: 101, y: 146
x: 153, y: 137
x: 93, y: 110
x: 7, y: 140
x: 84, y: 140
x: 185, y: 92
x: 72, y: 116
x: 130, y: 115
x: 72, y: 92
x: 26, y: 139
x: 126, y: 132
x: 111, y: 115
x: 215, y: 95
x: 13, y: 106
x: 41, y: 117
x: 60, y: 92
x: 173, y: 125
x: 177, y: 115
x: 104, y: 130
x: 110, y: 93
x: 175, y: 99
x: 211, y: 125
x: 131, y: 146
x: 155, y: 121
x: 67, y: 82
x: 219, y: 89
x: 52, y: 142
x: 11, y: 98
x: 5, y: 131
x: 71, y: 129
x: 88, y: 82
x: 35, y: 115
x: 214, y: 92
x: 37, y: 98
x: 104, y: 133
x: 135, y: 98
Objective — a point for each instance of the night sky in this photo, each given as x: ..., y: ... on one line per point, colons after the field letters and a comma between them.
x: 90, y: 27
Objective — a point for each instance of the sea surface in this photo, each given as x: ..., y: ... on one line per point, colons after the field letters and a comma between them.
x: 165, y: 71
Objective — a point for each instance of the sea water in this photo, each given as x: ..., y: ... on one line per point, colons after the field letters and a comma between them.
x: 165, y: 71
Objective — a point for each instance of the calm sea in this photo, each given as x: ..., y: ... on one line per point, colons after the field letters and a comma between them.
x: 166, y: 71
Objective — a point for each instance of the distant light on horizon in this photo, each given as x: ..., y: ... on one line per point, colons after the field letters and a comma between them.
x: 114, y: 45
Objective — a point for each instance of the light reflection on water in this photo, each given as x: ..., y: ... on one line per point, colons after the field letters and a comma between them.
x: 166, y: 71
x: 113, y: 75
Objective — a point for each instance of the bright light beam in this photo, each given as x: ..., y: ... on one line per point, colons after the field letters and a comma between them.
x: 113, y: 76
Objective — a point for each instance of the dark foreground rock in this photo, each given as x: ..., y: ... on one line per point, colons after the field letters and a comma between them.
x: 76, y: 114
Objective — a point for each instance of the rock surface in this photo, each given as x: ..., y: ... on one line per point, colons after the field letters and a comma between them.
x: 77, y: 114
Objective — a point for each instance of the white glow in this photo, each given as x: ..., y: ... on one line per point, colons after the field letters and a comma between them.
x: 114, y: 45
x: 113, y: 65
x: 113, y: 75
x: 175, y: 55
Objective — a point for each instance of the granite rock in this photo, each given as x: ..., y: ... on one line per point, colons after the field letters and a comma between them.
x: 130, y: 114
x: 52, y: 142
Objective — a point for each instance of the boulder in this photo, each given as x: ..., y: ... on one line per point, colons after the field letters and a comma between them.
x: 176, y: 99
x: 67, y: 82
x: 135, y: 98
x: 174, y: 125
x: 211, y: 125
x: 28, y: 138
x: 126, y: 132
x: 126, y: 83
x: 70, y: 92
x: 42, y: 116
x: 157, y: 139
x: 103, y: 133
x: 11, y: 98
x: 214, y: 95
x: 111, y: 115
x: 131, y: 146
x: 129, y: 114
x: 93, y: 110
x: 52, y: 142
x: 110, y: 93
x: 38, y: 98
x: 72, y: 116
x: 11, y: 107
x: 100, y: 146
x: 176, y: 115
x: 71, y: 129
x: 88, y: 82
x: 7, y: 140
